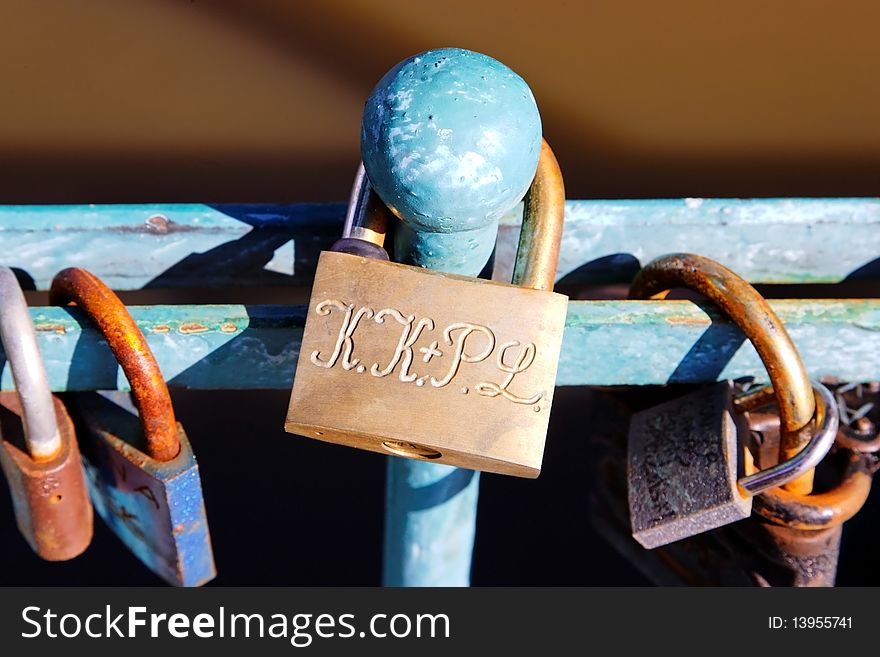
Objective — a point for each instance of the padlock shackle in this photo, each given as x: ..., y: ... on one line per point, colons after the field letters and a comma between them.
x: 150, y: 393
x: 822, y: 510
x: 537, y: 255
x: 366, y: 221
x: 827, y: 423
x: 366, y: 217
x: 41, y: 434
x: 543, y: 216
x: 750, y: 311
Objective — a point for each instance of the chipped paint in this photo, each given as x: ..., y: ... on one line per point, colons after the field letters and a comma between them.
x: 687, y: 320
x: 50, y: 328
x: 192, y: 327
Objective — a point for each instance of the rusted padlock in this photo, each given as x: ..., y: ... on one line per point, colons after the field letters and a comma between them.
x: 142, y: 473
x: 405, y: 361
x: 46, y: 482
x: 685, y: 469
x: 798, y: 535
x: 798, y: 547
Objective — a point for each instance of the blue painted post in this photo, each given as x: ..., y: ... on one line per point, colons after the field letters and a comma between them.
x: 450, y: 140
x: 430, y: 508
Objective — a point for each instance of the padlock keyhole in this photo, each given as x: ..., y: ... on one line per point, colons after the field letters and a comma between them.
x: 410, y: 450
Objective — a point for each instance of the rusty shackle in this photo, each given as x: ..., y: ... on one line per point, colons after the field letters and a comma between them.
x: 819, y: 510
x: 831, y: 507
x: 106, y: 310
x: 790, y: 383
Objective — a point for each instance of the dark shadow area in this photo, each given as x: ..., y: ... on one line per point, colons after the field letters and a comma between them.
x: 869, y: 270
x: 286, y: 510
x: 246, y: 256
x: 91, y: 359
x: 849, y: 288
x: 711, y: 353
x: 539, y: 532
x: 310, y: 229
x: 489, y: 267
x: 12, y: 427
x: 609, y: 278
x: 25, y: 280
x: 282, y: 509
x: 102, y: 177
x: 261, y: 336
x: 607, y: 270
x: 590, y: 173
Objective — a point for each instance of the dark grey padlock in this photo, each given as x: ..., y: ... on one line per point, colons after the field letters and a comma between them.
x: 684, y: 465
x: 685, y: 461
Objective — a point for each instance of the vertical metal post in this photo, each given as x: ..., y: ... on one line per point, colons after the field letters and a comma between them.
x: 431, y: 509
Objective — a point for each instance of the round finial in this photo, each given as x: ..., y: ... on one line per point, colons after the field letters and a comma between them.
x: 450, y: 140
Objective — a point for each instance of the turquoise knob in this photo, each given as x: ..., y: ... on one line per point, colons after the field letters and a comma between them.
x: 450, y: 140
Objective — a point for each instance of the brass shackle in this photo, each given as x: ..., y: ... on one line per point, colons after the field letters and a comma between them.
x: 537, y: 254
x: 790, y: 383
x: 540, y: 236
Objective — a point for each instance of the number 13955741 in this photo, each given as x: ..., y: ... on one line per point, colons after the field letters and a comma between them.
x: 810, y: 623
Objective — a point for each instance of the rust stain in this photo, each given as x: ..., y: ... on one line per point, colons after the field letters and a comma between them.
x: 161, y: 328
x: 158, y: 223
x: 228, y: 327
x: 193, y: 327
x: 51, y: 328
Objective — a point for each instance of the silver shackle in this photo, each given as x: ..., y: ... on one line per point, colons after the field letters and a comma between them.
x: 28, y: 371
x: 827, y: 422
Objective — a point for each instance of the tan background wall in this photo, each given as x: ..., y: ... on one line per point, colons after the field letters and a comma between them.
x: 259, y: 100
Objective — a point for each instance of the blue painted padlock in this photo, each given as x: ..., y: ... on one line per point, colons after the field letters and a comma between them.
x: 142, y: 473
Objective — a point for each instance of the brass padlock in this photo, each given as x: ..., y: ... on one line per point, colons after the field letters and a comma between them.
x: 686, y: 457
x: 421, y: 364
x: 46, y: 481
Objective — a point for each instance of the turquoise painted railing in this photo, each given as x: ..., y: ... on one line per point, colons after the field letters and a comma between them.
x: 228, y: 248
x: 606, y: 343
x: 196, y: 245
